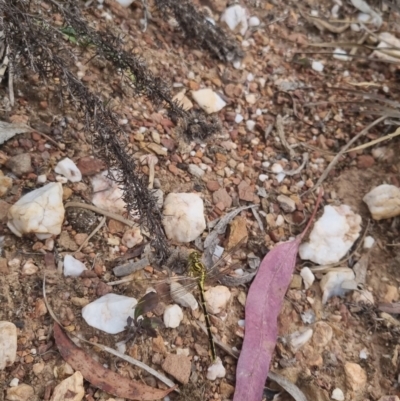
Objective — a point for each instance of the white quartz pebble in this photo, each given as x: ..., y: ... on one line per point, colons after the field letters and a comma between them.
x: 109, y: 313
x: 173, y: 316
x: 40, y: 211
x: 73, y: 267
x: 69, y: 170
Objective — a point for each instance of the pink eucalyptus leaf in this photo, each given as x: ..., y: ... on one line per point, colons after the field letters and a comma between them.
x: 263, y: 305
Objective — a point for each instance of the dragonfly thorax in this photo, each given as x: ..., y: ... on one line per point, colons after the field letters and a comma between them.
x: 196, y: 267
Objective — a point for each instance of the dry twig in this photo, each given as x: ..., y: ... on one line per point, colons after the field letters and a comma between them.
x: 341, y: 153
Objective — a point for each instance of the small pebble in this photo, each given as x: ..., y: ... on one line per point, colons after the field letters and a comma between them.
x: 41, y: 179
x: 216, y: 370
x: 14, y: 382
x: 238, y: 118
x: 340, y: 54
x: 368, y: 242
x: 254, y: 21
x: 317, y: 66
x: 277, y: 168
x: 173, y: 316
x: 250, y: 124
x: 337, y: 394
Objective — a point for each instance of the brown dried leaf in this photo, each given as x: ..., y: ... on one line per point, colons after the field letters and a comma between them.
x: 99, y: 376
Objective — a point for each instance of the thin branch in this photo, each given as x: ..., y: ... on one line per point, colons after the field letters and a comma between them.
x: 341, y: 153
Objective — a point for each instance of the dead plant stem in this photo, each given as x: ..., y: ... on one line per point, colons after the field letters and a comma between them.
x: 341, y: 153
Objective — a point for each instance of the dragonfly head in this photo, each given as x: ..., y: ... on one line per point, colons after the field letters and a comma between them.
x: 194, y: 257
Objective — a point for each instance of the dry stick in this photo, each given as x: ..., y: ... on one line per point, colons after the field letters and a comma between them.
x: 10, y: 81
x: 375, y: 141
x: 340, y: 154
x: 101, y: 211
x: 61, y: 146
x: 101, y: 224
x: 281, y: 133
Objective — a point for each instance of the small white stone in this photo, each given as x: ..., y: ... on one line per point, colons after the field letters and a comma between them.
x: 368, y: 242
x: 14, y: 263
x: 250, y: 77
x: 132, y: 237
x: 235, y: 16
x: 263, y: 177
x: 241, y: 322
x: 109, y: 313
x: 125, y: 3
x: 68, y: 169
x: 40, y: 211
x: 73, y: 267
x: 300, y: 338
x: 314, y: 13
x: 183, y: 100
x: 254, y: 21
x: 183, y: 217
x: 8, y: 344
x: 29, y: 268
x: 383, y: 202
x: 335, y: 11
x: 217, y: 298
x: 363, y: 18
x: 237, y: 64
x: 195, y: 170
x: 277, y: 168
x: 280, y: 177
x: 238, y: 118
x: 251, y: 98
x: 308, y: 277
x: 121, y: 346
x: 173, y: 316
x: 340, y: 54
x: 208, y: 100
x: 266, y: 164
x: 364, y: 354
x: 182, y: 351
x: 255, y: 141
x: 355, y: 27
x: 107, y: 194
x: 317, y: 66
x: 332, y: 235
x: 337, y: 394
x: 250, y: 124
x: 70, y: 388
x: 14, y: 382
x: 279, y: 220
x: 331, y: 283
x: 41, y: 179
x: 216, y: 370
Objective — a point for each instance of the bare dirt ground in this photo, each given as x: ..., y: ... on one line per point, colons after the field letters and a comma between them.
x: 271, y: 81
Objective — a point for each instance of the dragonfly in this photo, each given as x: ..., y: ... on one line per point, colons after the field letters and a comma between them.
x: 198, y: 275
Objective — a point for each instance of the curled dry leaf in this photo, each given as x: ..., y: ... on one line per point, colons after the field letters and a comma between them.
x: 99, y: 376
x: 263, y: 305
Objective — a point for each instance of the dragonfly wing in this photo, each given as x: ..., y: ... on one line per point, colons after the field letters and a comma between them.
x: 181, y: 295
x: 225, y: 257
